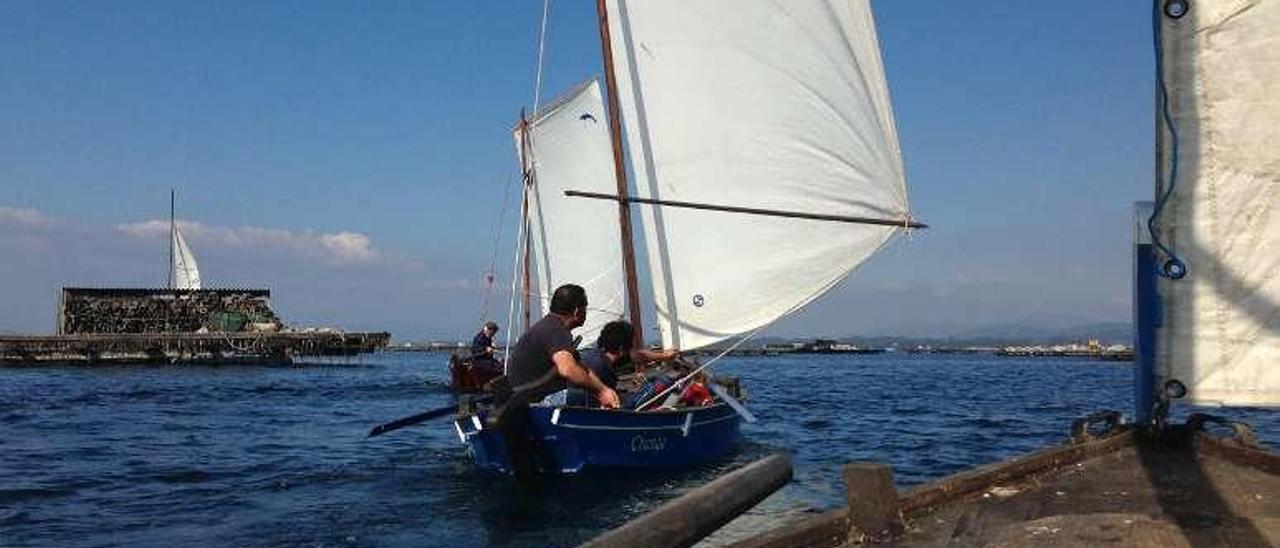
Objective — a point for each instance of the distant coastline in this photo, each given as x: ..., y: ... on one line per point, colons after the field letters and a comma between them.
x: 773, y: 346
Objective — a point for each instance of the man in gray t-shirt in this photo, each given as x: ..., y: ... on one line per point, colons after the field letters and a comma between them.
x: 540, y: 363
x: 543, y: 359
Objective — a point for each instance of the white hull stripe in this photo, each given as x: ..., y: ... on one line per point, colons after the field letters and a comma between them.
x: 682, y: 427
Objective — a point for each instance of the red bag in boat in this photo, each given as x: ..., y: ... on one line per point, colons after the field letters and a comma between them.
x: 696, y: 395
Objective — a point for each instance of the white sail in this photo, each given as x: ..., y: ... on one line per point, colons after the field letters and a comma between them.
x: 1221, y: 328
x: 773, y: 105
x: 575, y: 240
x: 186, y: 275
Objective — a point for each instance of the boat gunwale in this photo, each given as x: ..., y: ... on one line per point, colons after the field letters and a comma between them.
x: 635, y: 412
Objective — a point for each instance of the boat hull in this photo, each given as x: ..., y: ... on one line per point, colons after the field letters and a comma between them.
x: 466, y: 378
x: 569, y: 439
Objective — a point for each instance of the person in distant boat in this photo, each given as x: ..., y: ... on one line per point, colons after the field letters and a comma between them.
x: 542, y: 361
x: 483, y: 353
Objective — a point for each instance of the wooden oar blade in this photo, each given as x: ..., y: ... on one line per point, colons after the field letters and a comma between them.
x: 734, y: 403
x: 410, y: 420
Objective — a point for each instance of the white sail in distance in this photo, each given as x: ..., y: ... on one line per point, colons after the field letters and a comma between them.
x: 573, y: 240
x: 1220, y: 334
x: 185, y: 273
x: 770, y: 105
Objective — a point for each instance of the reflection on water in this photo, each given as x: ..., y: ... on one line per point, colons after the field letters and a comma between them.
x: 251, y: 456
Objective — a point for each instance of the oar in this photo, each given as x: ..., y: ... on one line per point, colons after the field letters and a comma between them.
x: 733, y: 403
x: 421, y: 417
x: 411, y: 420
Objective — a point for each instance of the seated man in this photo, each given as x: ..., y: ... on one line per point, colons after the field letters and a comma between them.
x: 483, y: 353
x: 613, y: 350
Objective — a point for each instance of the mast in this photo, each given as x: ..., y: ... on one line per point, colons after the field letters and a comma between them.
x: 620, y: 175
x: 526, y: 177
x: 172, y: 227
x: 527, y: 238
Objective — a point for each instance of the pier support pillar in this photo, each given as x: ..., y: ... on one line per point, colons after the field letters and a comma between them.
x: 874, y: 514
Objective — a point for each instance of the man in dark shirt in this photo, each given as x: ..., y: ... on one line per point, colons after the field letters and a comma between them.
x: 543, y: 359
x: 482, y: 349
x: 612, y: 350
x: 540, y: 363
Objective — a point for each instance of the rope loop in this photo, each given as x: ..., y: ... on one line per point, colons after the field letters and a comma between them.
x: 1174, y: 268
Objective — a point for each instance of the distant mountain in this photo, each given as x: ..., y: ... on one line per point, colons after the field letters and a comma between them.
x: 1040, y: 330
x: 1105, y: 332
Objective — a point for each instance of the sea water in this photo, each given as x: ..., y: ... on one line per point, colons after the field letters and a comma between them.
x: 277, y: 456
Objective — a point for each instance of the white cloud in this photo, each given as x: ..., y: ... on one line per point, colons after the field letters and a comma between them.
x: 339, y: 248
x: 349, y: 247
x: 455, y: 283
x: 25, y: 217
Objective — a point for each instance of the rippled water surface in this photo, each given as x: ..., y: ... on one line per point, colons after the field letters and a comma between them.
x: 261, y: 456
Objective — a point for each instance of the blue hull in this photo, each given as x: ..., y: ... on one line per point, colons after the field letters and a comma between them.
x: 568, y: 439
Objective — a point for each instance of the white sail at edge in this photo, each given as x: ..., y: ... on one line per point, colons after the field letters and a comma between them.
x: 185, y: 273
x: 775, y: 105
x: 1221, y: 328
x: 575, y: 240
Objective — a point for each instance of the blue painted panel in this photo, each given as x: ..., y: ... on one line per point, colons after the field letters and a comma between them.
x: 579, y: 437
x: 1145, y: 317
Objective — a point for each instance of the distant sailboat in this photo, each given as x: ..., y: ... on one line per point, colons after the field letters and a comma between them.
x: 183, y: 271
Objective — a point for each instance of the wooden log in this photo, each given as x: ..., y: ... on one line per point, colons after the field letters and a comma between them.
x: 698, y: 513
x: 873, y: 501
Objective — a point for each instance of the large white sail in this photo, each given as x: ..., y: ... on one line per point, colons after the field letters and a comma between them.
x: 186, y: 275
x: 774, y: 105
x: 574, y: 240
x: 1221, y: 328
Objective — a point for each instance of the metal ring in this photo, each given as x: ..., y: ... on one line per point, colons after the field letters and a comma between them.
x: 1176, y: 9
x: 1174, y: 269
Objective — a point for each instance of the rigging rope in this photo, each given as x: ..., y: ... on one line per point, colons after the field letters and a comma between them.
x: 526, y: 179
x: 543, y: 298
x: 490, y: 274
x: 1174, y: 268
x: 686, y: 378
x: 511, y: 308
x: 542, y: 47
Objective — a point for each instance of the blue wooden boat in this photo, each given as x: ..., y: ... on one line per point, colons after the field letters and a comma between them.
x: 568, y: 439
x: 748, y: 137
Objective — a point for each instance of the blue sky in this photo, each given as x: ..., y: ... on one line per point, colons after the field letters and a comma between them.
x: 354, y: 157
